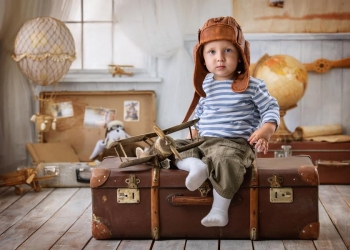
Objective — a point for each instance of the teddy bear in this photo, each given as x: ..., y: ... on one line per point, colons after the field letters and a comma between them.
x: 115, y: 131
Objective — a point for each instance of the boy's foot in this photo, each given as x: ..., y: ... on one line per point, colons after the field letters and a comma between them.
x: 197, y: 172
x: 216, y: 218
x: 196, y: 176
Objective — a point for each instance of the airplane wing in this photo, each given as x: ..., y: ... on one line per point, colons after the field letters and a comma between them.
x: 189, y: 146
x: 147, y: 159
x: 180, y: 127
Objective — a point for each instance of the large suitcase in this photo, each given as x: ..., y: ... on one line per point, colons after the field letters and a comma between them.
x: 332, y: 159
x: 277, y: 200
x: 326, y: 151
x: 334, y: 172
x: 65, y: 151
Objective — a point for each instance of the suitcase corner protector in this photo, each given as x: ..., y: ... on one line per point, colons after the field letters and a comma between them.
x: 99, y: 176
x: 309, y: 174
x: 99, y: 230
x: 310, y: 231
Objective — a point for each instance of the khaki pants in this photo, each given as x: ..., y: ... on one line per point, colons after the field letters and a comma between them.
x: 227, y: 160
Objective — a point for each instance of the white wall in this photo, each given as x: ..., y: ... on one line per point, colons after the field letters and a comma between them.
x: 326, y: 100
x: 172, y: 101
x: 327, y: 97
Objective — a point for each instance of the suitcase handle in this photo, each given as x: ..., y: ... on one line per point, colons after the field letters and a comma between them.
x: 179, y: 199
x: 80, y: 178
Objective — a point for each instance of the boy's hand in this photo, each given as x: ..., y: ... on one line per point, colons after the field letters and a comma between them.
x: 262, y: 136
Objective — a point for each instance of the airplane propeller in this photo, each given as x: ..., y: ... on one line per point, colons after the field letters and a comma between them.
x: 34, y: 173
x: 167, y: 140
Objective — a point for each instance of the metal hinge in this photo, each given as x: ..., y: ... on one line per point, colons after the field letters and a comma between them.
x: 130, y: 194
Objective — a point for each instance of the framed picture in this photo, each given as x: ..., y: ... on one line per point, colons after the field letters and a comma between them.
x: 98, y: 117
x: 132, y: 111
x: 62, y: 109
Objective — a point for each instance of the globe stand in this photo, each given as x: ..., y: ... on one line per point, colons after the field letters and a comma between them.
x: 282, y: 134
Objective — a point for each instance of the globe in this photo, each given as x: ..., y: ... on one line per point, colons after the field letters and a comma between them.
x: 286, y: 79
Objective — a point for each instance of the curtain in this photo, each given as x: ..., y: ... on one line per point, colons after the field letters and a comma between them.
x: 158, y: 27
x: 16, y: 99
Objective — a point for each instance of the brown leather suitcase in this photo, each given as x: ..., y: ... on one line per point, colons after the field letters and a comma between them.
x: 334, y: 172
x: 332, y: 159
x: 278, y: 200
x: 328, y: 151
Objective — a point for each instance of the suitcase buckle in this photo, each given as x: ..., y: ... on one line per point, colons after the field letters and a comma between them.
x: 130, y: 194
x: 275, y: 180
x: 204, y: 189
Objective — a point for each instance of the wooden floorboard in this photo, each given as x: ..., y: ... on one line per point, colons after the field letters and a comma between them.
x: 102, y: 244
x: 169, y: 244
x: 329, y: 236
x: 78, y: 235
x: 338, y: 210
x: 61, y: 219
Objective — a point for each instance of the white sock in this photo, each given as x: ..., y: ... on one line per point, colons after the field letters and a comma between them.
x: 218, y: 215
x: 197, y: 172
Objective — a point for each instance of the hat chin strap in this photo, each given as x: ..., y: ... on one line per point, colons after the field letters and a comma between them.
x: 193, y: 105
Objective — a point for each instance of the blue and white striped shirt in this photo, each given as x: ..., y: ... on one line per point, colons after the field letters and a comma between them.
x: 224, y: 113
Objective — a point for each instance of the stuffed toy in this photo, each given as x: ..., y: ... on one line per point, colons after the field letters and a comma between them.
x: 44, y: 123
x: 115, y: 131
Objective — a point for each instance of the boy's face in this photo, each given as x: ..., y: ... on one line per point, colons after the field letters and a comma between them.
x: 221, y: 59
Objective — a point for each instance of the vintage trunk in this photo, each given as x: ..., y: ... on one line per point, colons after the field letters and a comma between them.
x: 65, y: 151
x: 332, y: 157
x: 329, y: 151
x: 278, y: 200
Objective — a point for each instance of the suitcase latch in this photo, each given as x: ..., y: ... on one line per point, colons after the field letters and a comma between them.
x: 281, y: 195
x: 51, y: 170
x: 285, y: 152
x: 130, y: 194
x: 275, y: 180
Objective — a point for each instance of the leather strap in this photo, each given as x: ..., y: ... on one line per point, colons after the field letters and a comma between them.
x: 193, y: 105
x: 181, y: 200
x: 254, y: 207
x: 155, y: 203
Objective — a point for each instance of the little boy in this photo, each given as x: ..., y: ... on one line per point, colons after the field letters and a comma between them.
x: 235, y: 111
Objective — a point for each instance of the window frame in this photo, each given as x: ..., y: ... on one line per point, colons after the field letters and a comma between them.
x: 147, y: 74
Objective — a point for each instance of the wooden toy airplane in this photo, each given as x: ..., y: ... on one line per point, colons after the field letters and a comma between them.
x: 26, y: 176
x: 162, y: 148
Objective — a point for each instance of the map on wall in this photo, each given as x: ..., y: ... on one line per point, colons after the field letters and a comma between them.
x: 295, y: 16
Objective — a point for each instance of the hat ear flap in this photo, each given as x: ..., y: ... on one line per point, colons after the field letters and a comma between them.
x: 200, y: 70
x: 247, y: 51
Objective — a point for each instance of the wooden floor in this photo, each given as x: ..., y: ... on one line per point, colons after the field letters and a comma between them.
x: 61, y: 219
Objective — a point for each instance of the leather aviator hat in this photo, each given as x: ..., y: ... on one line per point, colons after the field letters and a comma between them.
x: 220, y: 28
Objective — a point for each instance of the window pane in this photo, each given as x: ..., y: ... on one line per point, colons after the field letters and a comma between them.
x: 75, y: 29
x: 97, y: 10
x: 97, y: 45
x: 74, y: 14
x: 125, y: 52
